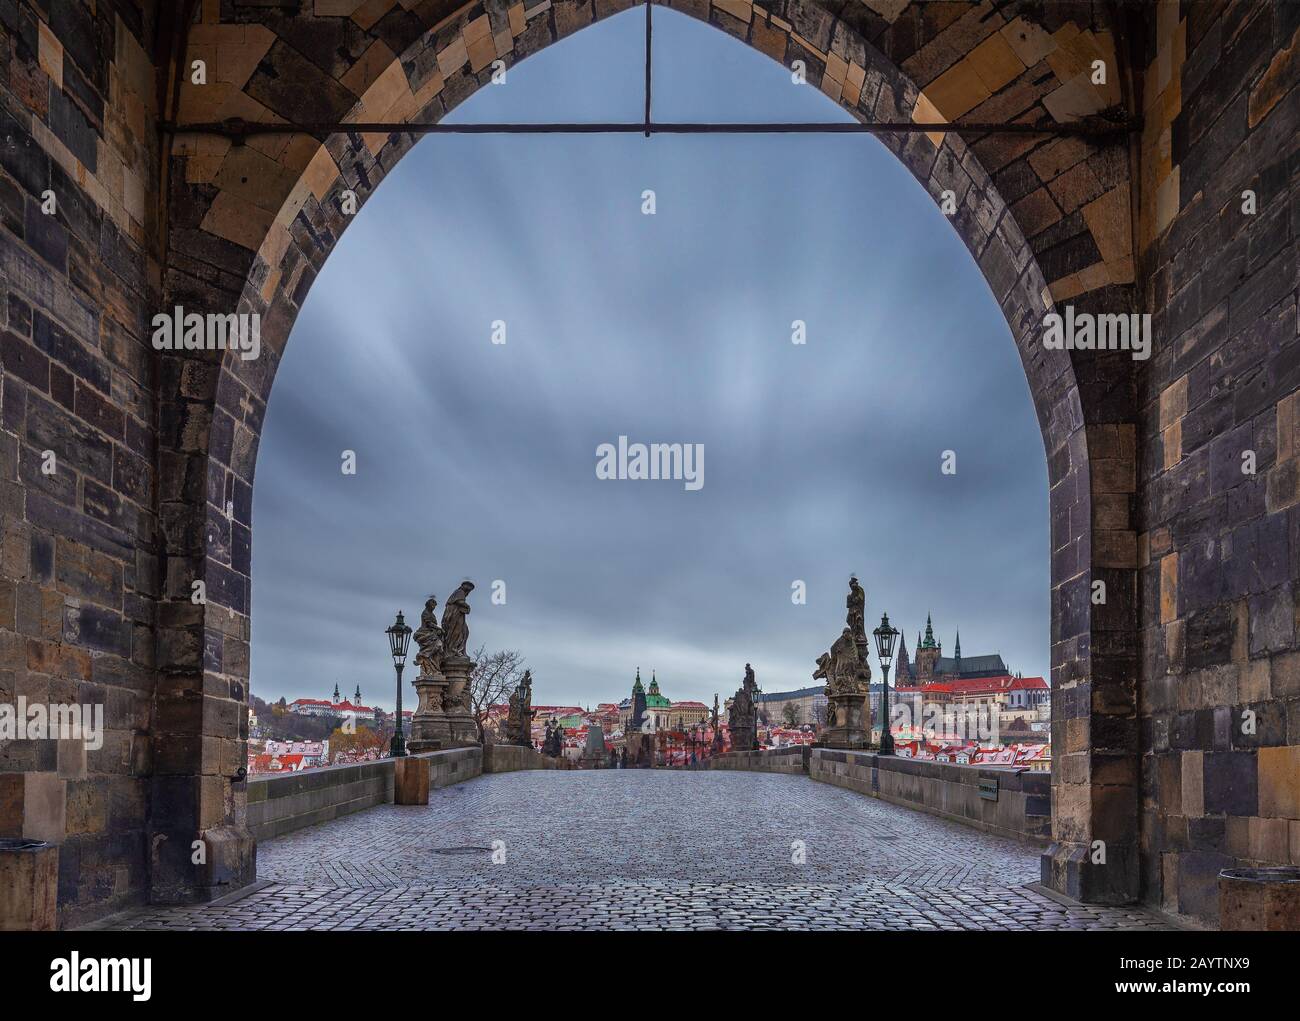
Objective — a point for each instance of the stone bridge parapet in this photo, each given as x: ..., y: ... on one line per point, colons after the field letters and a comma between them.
x: 283, y: 803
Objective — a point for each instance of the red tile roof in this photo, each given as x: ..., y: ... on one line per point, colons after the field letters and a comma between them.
x: 982, y: 685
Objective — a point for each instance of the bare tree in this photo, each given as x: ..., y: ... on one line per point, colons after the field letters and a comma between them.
x: 494, y: 677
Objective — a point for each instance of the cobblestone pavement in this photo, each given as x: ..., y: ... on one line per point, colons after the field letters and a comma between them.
x: 644, y: 849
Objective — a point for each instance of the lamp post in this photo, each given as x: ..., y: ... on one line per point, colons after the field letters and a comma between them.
x: 885, y: 636
x: 399, y: 640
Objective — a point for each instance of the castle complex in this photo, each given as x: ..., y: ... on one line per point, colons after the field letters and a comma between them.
x: 932, y: 666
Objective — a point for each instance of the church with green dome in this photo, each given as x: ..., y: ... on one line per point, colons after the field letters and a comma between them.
x: 665, y: 713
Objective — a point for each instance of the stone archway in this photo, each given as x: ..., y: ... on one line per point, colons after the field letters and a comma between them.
x: 1047, y: 220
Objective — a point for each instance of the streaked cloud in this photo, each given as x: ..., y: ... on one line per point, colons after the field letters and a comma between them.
x: 478, y: 460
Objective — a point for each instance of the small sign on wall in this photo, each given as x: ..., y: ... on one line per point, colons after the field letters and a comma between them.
x: 989, y: 789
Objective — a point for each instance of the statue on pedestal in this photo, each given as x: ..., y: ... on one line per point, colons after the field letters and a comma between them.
x: 848, y: 678
x: 519, y: 722
x: 457, y: 666
x: 553, y: 744
x: 857, y: 607
x: 455, y: 626
x: 429, y: 640
x: 429, y: 726
x: 743, y: 717
x: 850, y: 674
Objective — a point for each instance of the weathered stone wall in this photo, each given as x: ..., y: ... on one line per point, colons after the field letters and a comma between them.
x: 1219, y: 547
x: 768, y: 760
x: 509, y: 758
x: 80, y: 567
x: 1021, y: 809
x: 282, y: 804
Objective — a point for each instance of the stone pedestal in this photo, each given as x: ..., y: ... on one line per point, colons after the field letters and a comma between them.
x: 640, y: 750
x: 851, y: 728
x: 429, y: 727
x: 410, y: 781
x: 520, y: 733
x: 1260, y: 900
x: 744, y: 739
x: 460, y: 718
x: 29, y: 885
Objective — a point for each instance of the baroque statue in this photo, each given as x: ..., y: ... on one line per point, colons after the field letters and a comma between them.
x: 429, y: 640
x: 850, y: 673
x: 743, y: 716
x: 455, y: 625
x: 519, y: 722
x: 857, y: 607
x: 848, y: 678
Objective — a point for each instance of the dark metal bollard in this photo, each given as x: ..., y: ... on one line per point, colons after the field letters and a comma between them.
x: 1263, y: 899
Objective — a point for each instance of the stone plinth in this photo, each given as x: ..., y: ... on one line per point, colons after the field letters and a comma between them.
x: 460, y: 720
x: 410, y: 781
x: 430, y: 730
x: 29, y: 885
x: 640, y: 750
x: 850, y: 730
x: 1259, y: 900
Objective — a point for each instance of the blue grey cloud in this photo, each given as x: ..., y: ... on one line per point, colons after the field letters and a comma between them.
x: 478, y: 460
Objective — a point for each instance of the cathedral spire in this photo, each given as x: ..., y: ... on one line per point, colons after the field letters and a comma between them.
x: 929, y: 634
x: 957, y: 649
x: 902, y: 666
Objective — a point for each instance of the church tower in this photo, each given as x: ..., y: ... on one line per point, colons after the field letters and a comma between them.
x: 337, y: 699
x: 637, y: 719
x: 356, y: 699
x: 903, y: 670
x: 927, y: 655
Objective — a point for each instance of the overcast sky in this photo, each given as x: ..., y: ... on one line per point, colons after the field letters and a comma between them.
x: 478, y: 460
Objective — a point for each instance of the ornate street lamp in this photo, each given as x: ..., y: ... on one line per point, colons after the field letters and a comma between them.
x: 399, y: 640
x: 886, y: 637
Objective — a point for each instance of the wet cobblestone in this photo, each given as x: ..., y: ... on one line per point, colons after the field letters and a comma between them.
x: 644, y: 849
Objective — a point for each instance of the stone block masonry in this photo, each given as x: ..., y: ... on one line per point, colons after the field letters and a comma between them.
x: 1008, y: 802
x: 1022, y: 807
x: 282, y: 804
x: 1216, y: 501
x: 767, y: 760
x: 1176, y: 699
x: 509, y: 758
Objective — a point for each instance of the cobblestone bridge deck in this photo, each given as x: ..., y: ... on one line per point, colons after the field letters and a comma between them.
x: 643, y: 849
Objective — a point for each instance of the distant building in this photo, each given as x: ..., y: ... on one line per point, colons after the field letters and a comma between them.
x: 808, y: 706
x: 963, y: 681
x: 338, y: 708
x: 309, y: 753
x: 932, y: 665
x: 664, y: 713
